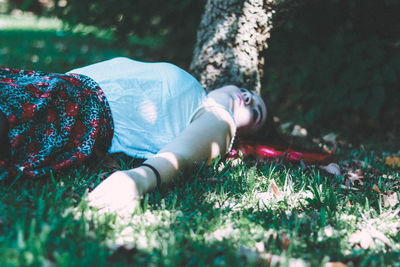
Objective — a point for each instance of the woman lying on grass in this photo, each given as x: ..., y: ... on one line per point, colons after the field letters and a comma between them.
x: 148, y: 110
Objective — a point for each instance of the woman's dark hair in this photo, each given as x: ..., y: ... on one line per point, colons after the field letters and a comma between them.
x: 269, y: 132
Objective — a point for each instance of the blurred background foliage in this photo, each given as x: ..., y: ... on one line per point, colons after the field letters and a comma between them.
x: 331, y: 64
x: 171, y: 24
x: 336, y: 63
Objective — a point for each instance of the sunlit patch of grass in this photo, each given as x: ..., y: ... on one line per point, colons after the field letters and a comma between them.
x: 234, y: 215
x: 38, y: 43
x: 29, y: 22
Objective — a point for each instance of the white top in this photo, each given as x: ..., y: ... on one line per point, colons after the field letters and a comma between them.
x: 151, y: 103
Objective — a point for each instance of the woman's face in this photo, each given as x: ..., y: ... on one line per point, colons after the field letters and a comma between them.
x: 248, y: 108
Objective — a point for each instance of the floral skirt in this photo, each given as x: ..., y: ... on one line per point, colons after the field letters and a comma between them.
x: 54, y: 121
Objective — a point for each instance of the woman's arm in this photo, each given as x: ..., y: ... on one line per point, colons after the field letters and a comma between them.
x: 207, y: 137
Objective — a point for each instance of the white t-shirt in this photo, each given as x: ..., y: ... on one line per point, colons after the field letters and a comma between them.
x: 151, y: 103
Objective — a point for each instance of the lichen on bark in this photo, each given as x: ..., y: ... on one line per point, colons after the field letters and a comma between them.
x: 231, y: 39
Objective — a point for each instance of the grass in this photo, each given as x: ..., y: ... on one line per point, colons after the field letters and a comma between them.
x: 232, y: 213
x: 45, y: 44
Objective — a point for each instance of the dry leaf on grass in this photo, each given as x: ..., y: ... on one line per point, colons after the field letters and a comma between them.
x: 355, y: 176
x: 285, y: 241
x: 380, y: 236
x: 365, y: 238
x: 393, y: 161
x: 331, y: 137
x: 390, y: 199
x: 376, y: 189
x: 273, y: 192
x: 275, y: 189
x: 332, y: 168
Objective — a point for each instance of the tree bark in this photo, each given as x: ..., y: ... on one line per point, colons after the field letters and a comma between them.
x: 231, y: 39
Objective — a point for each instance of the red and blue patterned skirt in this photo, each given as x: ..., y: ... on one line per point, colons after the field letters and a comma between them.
x: 54, y: 121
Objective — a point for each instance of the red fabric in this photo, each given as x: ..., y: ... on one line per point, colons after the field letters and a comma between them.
x: 264, y: 151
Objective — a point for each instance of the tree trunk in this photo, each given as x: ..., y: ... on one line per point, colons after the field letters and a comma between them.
x: 230, y: 42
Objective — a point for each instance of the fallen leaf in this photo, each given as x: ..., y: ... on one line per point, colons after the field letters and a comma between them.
x: 285, y: 241
x: 275, y: 189
x: 390, y: 199
x: 299, y: 131
x: 349, y: 204
x: 355, y: 176
x: 362, y: 238
x: 331, y: 137
x: 393, y: 161
x: 332, y: 168
x: 365, y: 237
x: 376, y: 188
x: 379, y: 235
x: 273, y: 192
x: 335, y: 264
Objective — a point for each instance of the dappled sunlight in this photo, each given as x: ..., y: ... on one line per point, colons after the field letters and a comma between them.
x: 170, y: 158
x: 148, y: 111
x: 244, y: 211
x: 143, y: 230
x: 41, y: 43
x: 375, y: 232
x: 25, y: 21
x: 140, y: 230
x: 226, y: 231
x: 274, y: 196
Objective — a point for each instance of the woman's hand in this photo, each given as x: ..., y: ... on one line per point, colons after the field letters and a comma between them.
x: 119, y: 193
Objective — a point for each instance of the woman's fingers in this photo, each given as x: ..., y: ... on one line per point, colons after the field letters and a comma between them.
x: 117, y: 193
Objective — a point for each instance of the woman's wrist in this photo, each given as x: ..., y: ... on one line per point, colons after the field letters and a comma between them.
x: 156, y: 173
x: 144, y: 178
